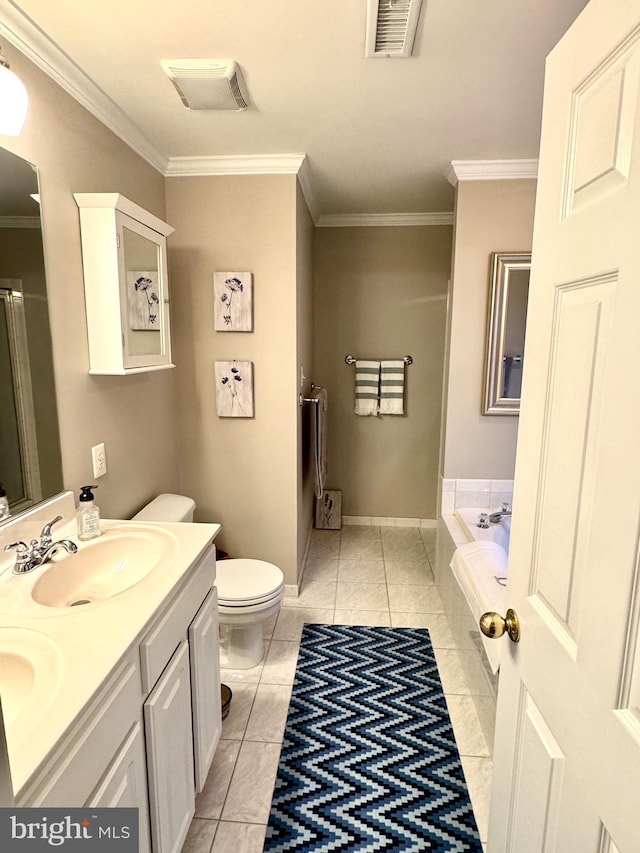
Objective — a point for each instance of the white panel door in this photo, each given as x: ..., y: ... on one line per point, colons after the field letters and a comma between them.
x: 167, y: 718
x: 204, y: 654
x: 567, y: 754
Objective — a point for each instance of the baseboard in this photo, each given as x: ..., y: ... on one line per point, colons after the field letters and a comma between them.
x: 386, y: 521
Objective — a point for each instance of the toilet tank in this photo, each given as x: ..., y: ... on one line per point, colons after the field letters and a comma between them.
x: 167, y: 508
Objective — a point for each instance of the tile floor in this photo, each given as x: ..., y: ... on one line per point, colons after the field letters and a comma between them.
x: 360, y: 575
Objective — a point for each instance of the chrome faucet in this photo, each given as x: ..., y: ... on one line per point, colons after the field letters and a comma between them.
x: 505, y: 512
x: 29, y: 557
x: 45, y: 536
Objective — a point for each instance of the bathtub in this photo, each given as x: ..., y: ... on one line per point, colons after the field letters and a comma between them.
x: 480, y: 567
x: 499, y: 533
x: 472, y: 570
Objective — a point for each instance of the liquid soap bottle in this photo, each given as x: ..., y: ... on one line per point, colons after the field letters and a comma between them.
x: 88, y: 515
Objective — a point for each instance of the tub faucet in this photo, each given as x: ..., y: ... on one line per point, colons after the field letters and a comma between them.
x: 505, y: 512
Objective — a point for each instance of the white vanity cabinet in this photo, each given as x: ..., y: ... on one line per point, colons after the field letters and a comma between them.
x: 180, y: 667
x: 124, y: 257
x: 147, y: 737
x: 101, y: 760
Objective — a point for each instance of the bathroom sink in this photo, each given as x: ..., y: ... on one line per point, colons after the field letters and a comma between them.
x: 104, y: 568
x: 30, y: 671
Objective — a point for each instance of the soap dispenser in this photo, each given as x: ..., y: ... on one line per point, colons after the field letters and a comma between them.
x: 88, y: 514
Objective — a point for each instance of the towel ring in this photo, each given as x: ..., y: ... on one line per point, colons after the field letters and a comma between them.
x: 351, y: 359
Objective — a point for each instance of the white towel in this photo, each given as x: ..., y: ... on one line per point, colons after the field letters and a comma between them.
x: 367, y: 387
x: 392, y: 387
x: 320, y: 440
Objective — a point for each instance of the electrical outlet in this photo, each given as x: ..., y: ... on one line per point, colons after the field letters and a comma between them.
x: 99, y: 456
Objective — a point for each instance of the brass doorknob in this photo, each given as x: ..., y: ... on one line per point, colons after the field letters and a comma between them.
x: 493, y: 625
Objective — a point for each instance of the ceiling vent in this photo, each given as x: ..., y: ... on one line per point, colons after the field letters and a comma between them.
x: 391, y: 27
x: 208, y: 84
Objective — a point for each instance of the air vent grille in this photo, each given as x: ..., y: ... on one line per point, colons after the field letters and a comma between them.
x: 391, y: 27
x: 237, y: 94
x: 202, y: 69
x: 208, y: 84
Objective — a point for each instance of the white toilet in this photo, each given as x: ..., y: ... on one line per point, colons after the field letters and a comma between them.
x: 249, y: 591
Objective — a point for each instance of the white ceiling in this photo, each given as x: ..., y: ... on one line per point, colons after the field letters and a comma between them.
x: 379, y: 134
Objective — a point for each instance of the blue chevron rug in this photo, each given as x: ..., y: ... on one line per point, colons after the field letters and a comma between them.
x: 369, y: 761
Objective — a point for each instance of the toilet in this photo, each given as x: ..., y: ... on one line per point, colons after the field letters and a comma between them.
x: 250, y: 592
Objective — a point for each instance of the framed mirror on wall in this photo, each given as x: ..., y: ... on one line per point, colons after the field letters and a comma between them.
x: 30, y: 459
x: 506, y: 324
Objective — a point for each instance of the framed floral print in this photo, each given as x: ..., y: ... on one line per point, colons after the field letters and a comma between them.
x: 234, y: 389
x: 233, y: 301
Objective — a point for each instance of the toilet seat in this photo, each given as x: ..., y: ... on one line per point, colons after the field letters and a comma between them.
x: 249, y: 584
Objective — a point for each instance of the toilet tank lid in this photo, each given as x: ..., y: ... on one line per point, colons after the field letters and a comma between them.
x: 167, y: 507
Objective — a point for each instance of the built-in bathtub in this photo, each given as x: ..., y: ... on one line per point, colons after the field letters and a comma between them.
x: 475, y: 583
x: 500, y: 533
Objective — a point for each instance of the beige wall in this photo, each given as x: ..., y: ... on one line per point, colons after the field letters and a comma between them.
x: 491, y: 216
x: 134, y: 416
x: 381, y: 292
x: 242, y: 472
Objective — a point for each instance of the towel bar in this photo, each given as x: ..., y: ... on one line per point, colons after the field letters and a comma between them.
x: 351, y: 359
x: 302, y: 399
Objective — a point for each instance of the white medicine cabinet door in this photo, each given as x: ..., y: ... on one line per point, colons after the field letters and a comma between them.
x: 144, y: 299
x: 124, y: 256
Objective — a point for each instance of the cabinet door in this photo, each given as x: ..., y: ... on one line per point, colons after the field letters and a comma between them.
x: 125, y: 784
x: 169, y: 738
x: 205, y: 686
x: 144, y: 298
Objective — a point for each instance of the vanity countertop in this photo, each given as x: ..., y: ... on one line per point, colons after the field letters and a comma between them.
x: 82, y: 644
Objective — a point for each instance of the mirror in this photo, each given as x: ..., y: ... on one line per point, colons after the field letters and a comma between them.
x: 144, y: 314
x: 30, y: 459
x: 506, y: 323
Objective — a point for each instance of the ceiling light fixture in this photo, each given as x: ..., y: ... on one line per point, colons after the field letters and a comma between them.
x: 391, y: 27
x: 13, y: 101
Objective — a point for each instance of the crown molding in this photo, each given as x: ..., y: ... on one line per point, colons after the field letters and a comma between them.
x: 20, y: 222
x: 235, y: 164
x: 364, y: 220
x: 35, y: 44
x: 492, y: 170
x: 247, y: 164
x: 304, y: 180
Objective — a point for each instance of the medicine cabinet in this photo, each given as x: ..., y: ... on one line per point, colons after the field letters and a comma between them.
x: 124, y: 256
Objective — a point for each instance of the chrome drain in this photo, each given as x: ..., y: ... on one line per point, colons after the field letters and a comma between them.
x: 80, y: 601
